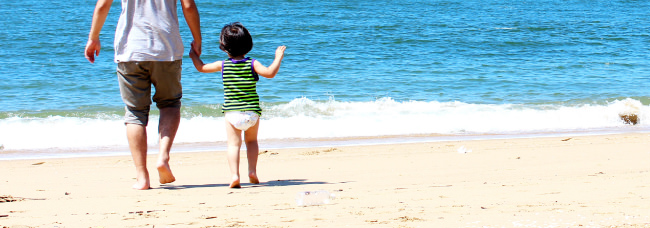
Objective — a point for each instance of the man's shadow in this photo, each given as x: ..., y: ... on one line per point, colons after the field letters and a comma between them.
x: 274, y: 183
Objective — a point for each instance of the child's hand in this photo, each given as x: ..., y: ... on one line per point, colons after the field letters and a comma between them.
x: 279, y: 53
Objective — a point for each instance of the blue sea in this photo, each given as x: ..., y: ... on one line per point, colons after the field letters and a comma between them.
x: 354, y: 72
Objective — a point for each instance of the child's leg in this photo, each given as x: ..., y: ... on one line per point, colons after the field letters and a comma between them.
x: 252, y: 151
x: 234, y: 144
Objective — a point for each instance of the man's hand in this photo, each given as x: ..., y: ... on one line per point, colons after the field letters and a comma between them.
x: 92, y: 50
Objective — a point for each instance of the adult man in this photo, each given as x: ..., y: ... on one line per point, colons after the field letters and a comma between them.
x: 148, y: 51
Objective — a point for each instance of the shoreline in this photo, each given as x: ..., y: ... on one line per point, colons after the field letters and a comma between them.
x: 293, y: 143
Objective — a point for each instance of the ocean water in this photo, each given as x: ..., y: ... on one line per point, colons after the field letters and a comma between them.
x: 353, y: 69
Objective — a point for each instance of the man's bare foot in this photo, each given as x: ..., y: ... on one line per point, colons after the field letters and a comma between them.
x: 165, y: 174
x: 141, y: 186
x: 235, y: 182
x: 141, y: 180
x: 252, y: 177
x: 142, y: 183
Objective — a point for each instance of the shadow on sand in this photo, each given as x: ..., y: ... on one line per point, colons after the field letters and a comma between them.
x: 274, y: 183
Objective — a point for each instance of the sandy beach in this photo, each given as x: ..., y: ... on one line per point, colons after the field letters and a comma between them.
x: 580, y: 181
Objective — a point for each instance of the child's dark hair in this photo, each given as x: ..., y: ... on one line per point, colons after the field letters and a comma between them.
x: 235, y: 39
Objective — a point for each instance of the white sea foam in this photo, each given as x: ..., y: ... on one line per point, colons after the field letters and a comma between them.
x: 308, y: 119
x: 305, y: 118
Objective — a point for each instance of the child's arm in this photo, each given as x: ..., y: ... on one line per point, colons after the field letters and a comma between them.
x: 202, y: 67
x: 272, y: 70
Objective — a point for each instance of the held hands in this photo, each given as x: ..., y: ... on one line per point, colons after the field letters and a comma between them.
x: 195, y: 48
x: 193, y: 53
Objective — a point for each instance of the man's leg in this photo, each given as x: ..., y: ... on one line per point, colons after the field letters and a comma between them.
x: 135, y: 89
x: 170, y: 118
x: 137, y: 136
x: 166, y: 77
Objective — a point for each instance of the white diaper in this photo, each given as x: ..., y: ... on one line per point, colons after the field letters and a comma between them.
x: 242, y: 120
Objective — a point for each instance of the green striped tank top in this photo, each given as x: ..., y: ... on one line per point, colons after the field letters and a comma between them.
x: 240, y: 86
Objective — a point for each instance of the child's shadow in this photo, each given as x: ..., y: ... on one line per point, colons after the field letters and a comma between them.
x: 274, y: 183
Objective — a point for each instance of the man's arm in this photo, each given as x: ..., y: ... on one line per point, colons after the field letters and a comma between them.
x: 93, y: 45
x: 191, y: 13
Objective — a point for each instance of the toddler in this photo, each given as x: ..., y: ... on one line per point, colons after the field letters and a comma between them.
x: 241, y: 103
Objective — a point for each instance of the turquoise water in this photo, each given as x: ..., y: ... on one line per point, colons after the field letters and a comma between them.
x: 352, y: 69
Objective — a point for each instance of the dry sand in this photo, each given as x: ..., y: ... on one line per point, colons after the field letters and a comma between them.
x: 581, y: 181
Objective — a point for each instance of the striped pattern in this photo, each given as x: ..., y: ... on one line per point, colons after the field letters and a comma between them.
x: 240, y: 86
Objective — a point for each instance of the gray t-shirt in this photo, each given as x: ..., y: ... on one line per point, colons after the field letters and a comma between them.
x: 148, y: 31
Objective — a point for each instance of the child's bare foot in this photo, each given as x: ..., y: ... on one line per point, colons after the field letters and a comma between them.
x: 252, y: 177
x: 165, y: 174
x: 235, y: 182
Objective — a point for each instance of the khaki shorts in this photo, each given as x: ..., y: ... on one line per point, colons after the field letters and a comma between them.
x: 135, y: 80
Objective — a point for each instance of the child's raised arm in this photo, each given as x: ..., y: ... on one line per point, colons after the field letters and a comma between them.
x: 272, y: 70
x: 202, y: 67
